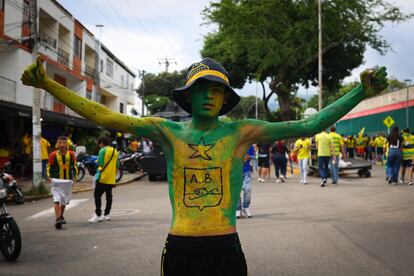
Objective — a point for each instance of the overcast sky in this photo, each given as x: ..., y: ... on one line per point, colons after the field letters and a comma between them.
x: 142, y: 32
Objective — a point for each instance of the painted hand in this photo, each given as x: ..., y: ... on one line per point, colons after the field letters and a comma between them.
x: 374, y: 80
x: 35, y: 74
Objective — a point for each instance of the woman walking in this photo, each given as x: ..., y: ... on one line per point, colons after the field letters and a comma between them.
x: 279, y: 152
x: 394, y: 155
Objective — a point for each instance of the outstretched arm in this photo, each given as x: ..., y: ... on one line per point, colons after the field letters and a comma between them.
x: 372, y: 81
x: 36, y: 76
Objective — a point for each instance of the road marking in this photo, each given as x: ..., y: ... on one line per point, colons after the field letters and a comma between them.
x: 123, y: 212
x: 51, y: 211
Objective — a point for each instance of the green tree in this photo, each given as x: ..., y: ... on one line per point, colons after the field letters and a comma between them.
x: 277, y: 41
x: 246, y: 108
x: 156, y: 103
x: 161, y: 84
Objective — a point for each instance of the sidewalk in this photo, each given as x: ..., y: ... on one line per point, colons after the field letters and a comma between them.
x: 82, y: 186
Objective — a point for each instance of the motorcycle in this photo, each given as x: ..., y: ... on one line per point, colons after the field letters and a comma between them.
x: 130, y: 162
x: 10, y: 238
x: 12, y: 188
x: 86, y: 162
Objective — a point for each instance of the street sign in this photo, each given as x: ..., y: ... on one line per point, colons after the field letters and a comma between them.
x: 389, y: 121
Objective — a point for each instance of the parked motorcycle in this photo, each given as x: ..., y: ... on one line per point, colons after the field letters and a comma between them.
x: 130, y: 162
x: 12, y: 188
x: 10, y: 238
x: 89, y: 163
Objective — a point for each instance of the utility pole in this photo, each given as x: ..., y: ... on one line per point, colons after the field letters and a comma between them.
x: 320, y: 102
x: 257, y: 109
x: 141, y: 74
x: 166, y: 62
x: 407, y: 117
x: 98, y: 66
x: 36, y: 113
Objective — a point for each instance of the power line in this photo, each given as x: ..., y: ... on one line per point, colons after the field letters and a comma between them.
x: 136, y: 16
x: 118, y: 15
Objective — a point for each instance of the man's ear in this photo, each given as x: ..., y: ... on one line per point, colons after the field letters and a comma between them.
x: 226, y: 97
x: 187, y: 96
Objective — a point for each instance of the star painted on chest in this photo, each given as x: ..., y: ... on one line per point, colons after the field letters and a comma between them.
x: 201, y: 149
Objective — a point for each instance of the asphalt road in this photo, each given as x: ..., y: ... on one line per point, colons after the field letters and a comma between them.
x: 360, y: 227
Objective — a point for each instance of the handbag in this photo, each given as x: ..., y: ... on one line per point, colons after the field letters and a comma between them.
x: 95, y: 180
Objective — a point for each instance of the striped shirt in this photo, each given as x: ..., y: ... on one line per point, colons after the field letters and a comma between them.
x: 337, y: 142
x: 407, y: 146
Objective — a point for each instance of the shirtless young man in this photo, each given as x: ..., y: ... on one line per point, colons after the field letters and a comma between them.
x: 205, y: 159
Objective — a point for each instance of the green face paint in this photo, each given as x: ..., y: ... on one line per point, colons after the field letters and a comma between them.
x: 207, y: 99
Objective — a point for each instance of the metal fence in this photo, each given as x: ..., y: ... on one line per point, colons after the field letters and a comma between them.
x: 7, y: 90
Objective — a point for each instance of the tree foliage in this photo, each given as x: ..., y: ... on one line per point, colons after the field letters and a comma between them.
x: 156, y: 103
x: 277, y: 41
x: 161, y: 84
x: 246, y: 108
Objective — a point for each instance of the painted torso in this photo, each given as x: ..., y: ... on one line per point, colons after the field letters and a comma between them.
x: 205, y: 177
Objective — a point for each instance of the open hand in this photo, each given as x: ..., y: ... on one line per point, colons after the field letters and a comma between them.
x: 35, y: 74
x: 374, y: 80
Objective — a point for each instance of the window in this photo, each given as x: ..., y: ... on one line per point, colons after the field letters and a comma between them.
x: 77, y: 48
x: 109, y: 67
x: 26, y: 10
x: 1, y: 5
x: 121, y: 107
x: 101, y: 66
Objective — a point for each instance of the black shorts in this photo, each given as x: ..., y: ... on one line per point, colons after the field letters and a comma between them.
x: 407, y: 163
x: 263, y: 162
x: 380, y: 151
x: 203, y: 256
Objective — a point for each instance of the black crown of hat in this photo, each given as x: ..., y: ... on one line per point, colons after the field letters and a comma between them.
x: 205, y: 64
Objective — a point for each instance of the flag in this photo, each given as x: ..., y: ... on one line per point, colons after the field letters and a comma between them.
x: 361, y: 132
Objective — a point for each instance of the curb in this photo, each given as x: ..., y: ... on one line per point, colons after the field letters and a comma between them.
x: 38, y: 197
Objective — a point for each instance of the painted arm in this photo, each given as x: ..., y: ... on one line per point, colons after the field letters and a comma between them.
x: 35, y: 75
x: 372, y: 81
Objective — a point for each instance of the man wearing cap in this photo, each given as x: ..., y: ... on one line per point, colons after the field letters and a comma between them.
x: 205, y: 159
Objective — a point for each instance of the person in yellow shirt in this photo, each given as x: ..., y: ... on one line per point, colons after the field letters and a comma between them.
x: 325, y: 153
x: 105, y: 178
x: 302, y: 147
x: 338, y: 147
x: 44, y: 148
x: 133, y: 145
x: 379, y: 147
x: 350, y: 146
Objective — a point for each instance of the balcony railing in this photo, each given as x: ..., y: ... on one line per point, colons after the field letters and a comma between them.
x: 63, y: 57
x: 89, y: 71
x: 48, y: 40
x: 7, y: 90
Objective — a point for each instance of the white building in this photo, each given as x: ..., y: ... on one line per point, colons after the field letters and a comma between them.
x: 70, y: 53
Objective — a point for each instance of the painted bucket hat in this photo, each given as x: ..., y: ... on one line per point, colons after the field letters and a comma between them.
x: 211, y: 70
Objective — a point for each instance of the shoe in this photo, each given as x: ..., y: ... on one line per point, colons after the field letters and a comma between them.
x: 58, y: 223
x: 95, y: 219
x: 238, y: 214
x: 387, y: 178
x: 246, y: 212
x: 282, y: 178
x: 278, y: 180
x: 107, y: 217
x: 394, y: 183
x: 410, y: 183
x: 305, y: 183
x: 62, y: 219
x: 334, y: 183
x: 401, y: 180
x: 323, y: 183
x: 259, y: 180
x: 301, y: 182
